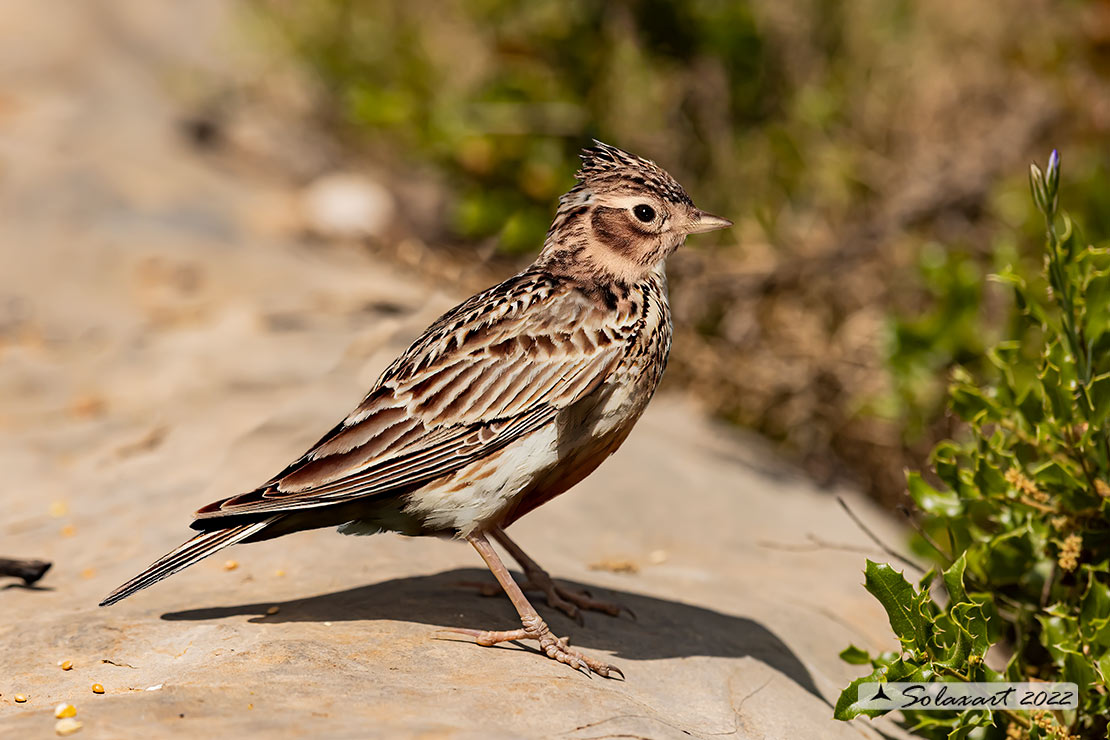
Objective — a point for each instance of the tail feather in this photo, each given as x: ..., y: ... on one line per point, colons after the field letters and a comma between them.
x: 193, y: 551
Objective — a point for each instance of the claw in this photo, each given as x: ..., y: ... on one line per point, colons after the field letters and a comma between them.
x: 557, y: 648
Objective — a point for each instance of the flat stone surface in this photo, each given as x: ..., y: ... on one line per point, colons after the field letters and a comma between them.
x: 162, y: 344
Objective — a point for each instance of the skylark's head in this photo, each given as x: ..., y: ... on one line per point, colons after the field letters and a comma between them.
x: 623, y: 218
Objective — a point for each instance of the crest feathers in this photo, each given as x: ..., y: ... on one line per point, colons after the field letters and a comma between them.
x: 607, y: 167
x: 603, y: 158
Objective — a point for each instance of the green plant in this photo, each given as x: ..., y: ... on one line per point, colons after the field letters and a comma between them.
x: 1019, y: 512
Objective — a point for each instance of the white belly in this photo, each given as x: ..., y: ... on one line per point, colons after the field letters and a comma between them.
x: 483, y: 491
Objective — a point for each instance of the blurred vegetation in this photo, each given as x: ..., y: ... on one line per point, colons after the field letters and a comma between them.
x: 1019, y: 517
x: 867, y: 149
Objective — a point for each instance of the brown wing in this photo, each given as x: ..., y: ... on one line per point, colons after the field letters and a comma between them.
x: 485, y: 374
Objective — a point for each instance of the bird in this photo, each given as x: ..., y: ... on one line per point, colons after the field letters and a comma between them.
x: 503, y: 403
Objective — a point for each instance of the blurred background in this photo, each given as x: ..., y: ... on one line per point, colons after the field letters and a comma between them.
x: 873, y: 154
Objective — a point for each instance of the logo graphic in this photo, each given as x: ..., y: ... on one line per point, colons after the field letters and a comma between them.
x: 880, y: 695
x: 958, y: 696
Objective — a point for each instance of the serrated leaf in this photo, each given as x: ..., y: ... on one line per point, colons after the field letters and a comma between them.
x: 971, y: 620
x: 897, y: 597
x: 954, y: 580
x: 847, y: 704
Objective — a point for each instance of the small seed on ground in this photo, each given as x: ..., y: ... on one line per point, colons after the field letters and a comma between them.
x: 64, y: 710
x: 20, y: 698
x: 97, y: 688
x: 273, y: 610
x: 616, y: 565
x: 65, y: 665
x: 231, y: 564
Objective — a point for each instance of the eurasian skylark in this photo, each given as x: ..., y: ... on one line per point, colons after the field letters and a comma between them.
x: 503, y: 403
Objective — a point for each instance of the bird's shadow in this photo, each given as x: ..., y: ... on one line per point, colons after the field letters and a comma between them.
x: 662, y: 629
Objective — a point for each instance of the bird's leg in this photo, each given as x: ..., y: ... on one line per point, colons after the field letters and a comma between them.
x: 566, y: 600
x: 533, y: 626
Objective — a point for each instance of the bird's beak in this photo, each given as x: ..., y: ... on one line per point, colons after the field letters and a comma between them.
x: 701, y: 222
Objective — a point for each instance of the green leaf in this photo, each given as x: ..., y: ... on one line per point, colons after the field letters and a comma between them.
x: 1059, y: 636
x: 988, y: 479
x: 855, y: 655
x: 945, y: 459
x: 954, y: 581
x: 972, y: 622
x: 930, y: 500
x: 900, y: 601
x: 1080, y: 669
x: 1053, y: 474
x: 1094, y: 612
x: 847, y: 705
x: 1104, y: 667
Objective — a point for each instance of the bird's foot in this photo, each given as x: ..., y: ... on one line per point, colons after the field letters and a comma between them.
x: 567, y: 600
x: 556, y: 648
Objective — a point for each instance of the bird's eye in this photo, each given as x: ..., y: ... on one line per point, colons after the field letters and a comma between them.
x: 644, y: 212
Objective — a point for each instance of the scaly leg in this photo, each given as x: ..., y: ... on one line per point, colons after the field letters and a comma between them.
x: 533, y: 626
x: 566, y: 600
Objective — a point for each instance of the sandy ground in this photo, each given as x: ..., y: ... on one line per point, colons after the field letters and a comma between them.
x: 164, y: 341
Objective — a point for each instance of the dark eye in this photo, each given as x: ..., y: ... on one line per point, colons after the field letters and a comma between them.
x: 644, y: 212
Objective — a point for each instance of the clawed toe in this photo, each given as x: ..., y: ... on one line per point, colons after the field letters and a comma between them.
x: 571, y: 601
x: 556, y: 648
x: 584, y: 600
x: 532, y: 625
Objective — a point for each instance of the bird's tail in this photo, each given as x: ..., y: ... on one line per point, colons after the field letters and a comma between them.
x: 193, y: 551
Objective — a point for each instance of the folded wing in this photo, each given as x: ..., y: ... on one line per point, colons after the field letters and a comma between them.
x: 487, y: 373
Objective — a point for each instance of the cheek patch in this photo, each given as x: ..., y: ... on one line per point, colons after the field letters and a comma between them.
x: 612, y: 228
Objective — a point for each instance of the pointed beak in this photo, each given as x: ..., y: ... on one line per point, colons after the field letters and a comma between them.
x: 701, y: 222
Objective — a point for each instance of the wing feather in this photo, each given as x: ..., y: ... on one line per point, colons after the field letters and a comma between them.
x: 487, y: 373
